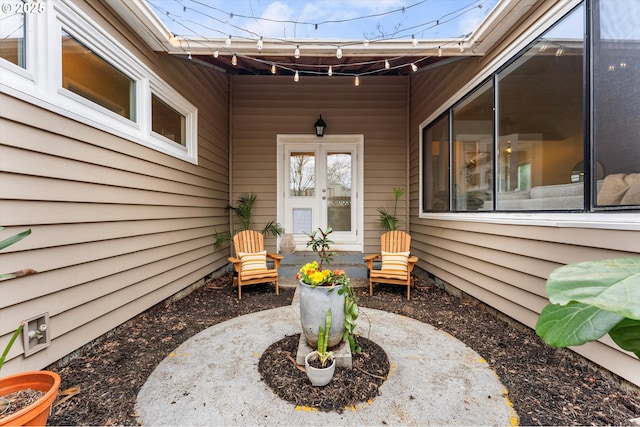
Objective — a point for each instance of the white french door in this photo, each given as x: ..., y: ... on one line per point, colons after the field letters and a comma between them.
x: 320, y: 183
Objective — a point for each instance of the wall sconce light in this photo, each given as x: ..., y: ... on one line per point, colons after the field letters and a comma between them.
x: 320, y: 127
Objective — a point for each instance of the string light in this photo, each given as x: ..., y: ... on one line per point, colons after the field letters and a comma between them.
x: 216, y: 53
x: 227, y: 42
x: 296, y: 78
x: 439, y: 51
x: 414, y: 41
x: 339, y: 53
x: 386, y: 64
x: 414, y: 67
x: 189, y: 56
x: 365, y: 43
x: 273, y: 68
x: 357, y: 81
x: 330, y: 73
x: 234, y: 60
x: 461, y: 47
x: 297, y: 52
x: 260, y: 44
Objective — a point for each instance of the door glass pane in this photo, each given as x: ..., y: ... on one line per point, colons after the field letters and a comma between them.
x: 12, y: 26
x: 541, y: 122
x: 616, y: 93
x: 302, y: 220
x: 473, y: 151
x: 339, y: 191
x: 302, y: 173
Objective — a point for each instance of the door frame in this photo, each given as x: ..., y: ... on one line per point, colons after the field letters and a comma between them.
x: 282, y: 140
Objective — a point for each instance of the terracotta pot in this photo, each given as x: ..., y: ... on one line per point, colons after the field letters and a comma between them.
x: 319, y: 376
x: 314, y: 304
x: 37, y: 413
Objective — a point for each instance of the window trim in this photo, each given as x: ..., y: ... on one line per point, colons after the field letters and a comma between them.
x: 41, y: 83
x: 618, y: 220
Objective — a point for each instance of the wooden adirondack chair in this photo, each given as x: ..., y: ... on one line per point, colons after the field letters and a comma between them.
x: 397, y: 264
x: 250, y: 261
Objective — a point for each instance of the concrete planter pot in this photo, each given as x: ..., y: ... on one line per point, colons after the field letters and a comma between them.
x: 37, y: 413
x: 314, y: 304
x: 319, y: 376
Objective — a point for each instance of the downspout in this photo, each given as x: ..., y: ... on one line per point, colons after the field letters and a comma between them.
x: 230, y: 151
x: 408, y: 157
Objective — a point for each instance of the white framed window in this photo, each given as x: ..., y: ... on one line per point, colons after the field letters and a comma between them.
x: 60, y: 59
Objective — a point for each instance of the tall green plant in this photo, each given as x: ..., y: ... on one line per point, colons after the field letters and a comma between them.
x: 323, y: 340
x: 243, y: 211
x: 388, y: 220
x: 590, y: 299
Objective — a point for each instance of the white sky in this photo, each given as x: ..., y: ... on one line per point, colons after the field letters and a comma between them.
x: 212, y: 18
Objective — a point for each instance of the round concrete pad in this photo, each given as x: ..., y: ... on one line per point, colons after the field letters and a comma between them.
x: 213, y: 378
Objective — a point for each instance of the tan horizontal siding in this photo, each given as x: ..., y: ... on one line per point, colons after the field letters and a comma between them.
x: 504, y: 265
x: 117, y: 226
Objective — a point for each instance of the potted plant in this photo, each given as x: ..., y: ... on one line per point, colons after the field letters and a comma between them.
x: 320, y: 364
x: 41, y: 385
x: 322, y: 290
x: 590, y: 299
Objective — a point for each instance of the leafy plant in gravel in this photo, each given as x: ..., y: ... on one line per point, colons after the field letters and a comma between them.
x: 590, y: 299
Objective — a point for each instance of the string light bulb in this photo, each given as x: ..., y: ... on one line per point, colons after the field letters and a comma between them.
x: 227, y: 42
x: 273, y: 68
x: 330, y: 72
x: 297, y: 52
x: 414, y: 41
x: 366, y: 43
x: 439, y: 51
x: 216, y: 53
x: 296, y: 77
x: 386, y: 64
x: 189, y: 56
x: 414, y: 67
x: 260, y: 44
x: 339, y: 53
x: 461, y: 47
x: 357, y: 81
x: 234, y: 60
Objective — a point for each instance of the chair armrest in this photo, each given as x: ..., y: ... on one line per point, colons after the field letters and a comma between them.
x: 236, y: 263
x: 369, y: 260
x: 411, y: 262
x: 276, y: 259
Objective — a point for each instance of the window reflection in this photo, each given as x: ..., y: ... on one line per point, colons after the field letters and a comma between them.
x: 436, y: 166
x: 88, y: 75
x: 541, y: 122
x: 12, y: 38
x: 302, y: 174
x: 473, y: 151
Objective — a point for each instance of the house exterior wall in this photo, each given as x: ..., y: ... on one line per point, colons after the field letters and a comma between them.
x: 504, y: 260
x: 265, y: 106
x: 117, y: 227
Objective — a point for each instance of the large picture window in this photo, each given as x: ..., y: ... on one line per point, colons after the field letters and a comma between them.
x: 544, y: 145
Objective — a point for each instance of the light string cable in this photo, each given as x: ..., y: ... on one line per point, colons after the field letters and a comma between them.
x: 292, y: 67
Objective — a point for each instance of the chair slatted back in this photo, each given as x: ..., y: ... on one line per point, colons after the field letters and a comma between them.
x: 395, y: 241
x: 248, y: 241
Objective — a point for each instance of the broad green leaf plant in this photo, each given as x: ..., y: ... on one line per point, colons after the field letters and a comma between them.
x: 590, y: 299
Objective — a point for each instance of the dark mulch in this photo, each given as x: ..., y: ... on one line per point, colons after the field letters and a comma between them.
x: 547, y: 386
x: 347, y: 388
